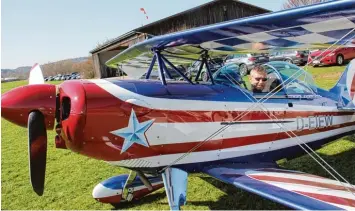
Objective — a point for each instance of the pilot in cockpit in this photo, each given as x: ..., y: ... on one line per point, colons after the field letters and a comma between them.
x: 262, y: 82
x: 258, y: 78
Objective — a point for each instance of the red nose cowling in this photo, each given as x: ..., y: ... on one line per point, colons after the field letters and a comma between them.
x: 19, y: 102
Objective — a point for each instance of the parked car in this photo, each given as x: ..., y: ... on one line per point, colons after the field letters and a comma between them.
x: 331, y: 56
x: 214, y: 65
x: 246, y: 62
x: 154, y: 75
x: 74, y: 75
x: 294, y: 57
x: 57, y: 77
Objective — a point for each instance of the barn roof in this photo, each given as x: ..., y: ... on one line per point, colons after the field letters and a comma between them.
x: 142, y: 28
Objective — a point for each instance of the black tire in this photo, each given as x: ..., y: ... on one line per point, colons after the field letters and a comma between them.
x: 340, y: 60
x: 243, y: 70
x: 204, y: 76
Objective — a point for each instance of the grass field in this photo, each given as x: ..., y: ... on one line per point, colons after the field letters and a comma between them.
x: 70, y: 177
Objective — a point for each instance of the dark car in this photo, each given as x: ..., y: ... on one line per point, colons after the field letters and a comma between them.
x: 214, y: 65
x: 154, y: 75
x: 293, y: 57
x: 246, y: 62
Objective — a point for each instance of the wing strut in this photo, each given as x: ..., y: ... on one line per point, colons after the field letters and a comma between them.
x: 205, y: 57
x: 177, y: 70
x: 161, y: 67
x: 163, y: 70
x: 151, y: 67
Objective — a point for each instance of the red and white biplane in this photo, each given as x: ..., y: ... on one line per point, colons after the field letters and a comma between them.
x: 163, y: 130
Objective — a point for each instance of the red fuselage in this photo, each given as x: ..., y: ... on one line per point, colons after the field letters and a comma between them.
x: 88, y: 113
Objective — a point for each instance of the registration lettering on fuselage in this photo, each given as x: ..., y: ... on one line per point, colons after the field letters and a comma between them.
x: 314, y: 122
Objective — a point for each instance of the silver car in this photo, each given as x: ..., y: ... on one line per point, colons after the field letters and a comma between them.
x: 294, y: 57
x: 246, y: 62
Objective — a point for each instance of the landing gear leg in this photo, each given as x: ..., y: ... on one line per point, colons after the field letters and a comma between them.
x: 127, y: 192
x: 175, y: 183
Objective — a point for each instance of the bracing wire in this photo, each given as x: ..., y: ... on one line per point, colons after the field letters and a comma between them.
x: 262, y: 100
x: 286, y: 130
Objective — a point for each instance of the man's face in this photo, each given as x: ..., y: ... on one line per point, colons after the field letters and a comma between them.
x: 258, y: 80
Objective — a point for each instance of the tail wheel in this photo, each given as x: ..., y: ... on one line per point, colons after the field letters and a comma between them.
x: 340, y: 60
x: 204, y: 77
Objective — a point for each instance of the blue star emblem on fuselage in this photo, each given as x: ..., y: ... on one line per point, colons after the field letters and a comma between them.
x: 134, y: 132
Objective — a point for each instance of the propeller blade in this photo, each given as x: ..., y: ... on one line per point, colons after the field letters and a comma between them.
x: 36, y: 75
x: 37, y: 148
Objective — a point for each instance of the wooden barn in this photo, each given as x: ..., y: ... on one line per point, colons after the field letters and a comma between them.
x: 212, y: 12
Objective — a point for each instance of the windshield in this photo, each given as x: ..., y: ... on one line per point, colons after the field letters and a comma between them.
x: 229, y: 75
x: 217, y: 61
x: 296, y: 80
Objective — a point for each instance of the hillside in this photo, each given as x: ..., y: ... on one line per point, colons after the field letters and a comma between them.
x: 20, y: 72
x: 63, y: 66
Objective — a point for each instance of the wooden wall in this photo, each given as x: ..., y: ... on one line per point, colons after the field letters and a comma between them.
x: 216, y: 12
x: 210, y: 13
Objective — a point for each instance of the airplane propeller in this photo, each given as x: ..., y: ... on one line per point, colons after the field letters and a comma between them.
x: 37, y: 139
x: 37, y: 149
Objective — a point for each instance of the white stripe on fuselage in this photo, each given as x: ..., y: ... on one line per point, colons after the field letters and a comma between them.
x: 197, y: 105
x: 212, y: 155
x: 160, y: 133
x: 172, y: 133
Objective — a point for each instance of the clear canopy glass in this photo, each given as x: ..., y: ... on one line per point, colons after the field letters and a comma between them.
x: 295, y: 79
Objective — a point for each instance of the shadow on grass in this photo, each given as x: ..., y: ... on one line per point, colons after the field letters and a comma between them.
x: 343, y: 163
x: 350, y: 138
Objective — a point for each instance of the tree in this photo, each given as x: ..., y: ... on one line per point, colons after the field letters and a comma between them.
x: 86, y: 68
x: 298, y: 3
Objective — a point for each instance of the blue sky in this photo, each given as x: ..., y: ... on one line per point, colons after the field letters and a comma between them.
x: 46, y: 31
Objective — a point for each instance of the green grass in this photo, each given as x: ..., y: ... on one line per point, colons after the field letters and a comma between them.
x: 70, y: 177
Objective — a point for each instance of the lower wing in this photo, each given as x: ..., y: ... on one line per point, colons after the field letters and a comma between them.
x: 294, y: 189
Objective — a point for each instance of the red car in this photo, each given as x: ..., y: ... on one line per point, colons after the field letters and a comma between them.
x: 331, y: 56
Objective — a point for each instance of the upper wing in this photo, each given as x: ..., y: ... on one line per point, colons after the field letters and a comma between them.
x: 315, y: 26
x: 294, y: 189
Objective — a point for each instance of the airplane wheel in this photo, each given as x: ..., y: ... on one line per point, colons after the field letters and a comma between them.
x: 340, y: 60
x: 204, y: 77
x: 243, y: 70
